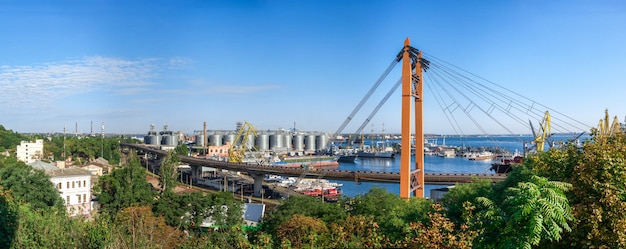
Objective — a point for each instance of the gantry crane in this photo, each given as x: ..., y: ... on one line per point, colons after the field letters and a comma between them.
x: 240, y: 145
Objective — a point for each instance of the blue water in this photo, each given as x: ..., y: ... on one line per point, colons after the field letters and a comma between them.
x: 435, y: 163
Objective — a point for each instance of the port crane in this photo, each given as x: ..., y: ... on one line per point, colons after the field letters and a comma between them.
x: 543, y: 134
x: 240, y: 145
x: 604, y: 129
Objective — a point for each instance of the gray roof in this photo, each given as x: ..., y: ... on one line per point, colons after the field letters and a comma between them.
x: 73, y: 171
x: 43, y: 166
x: 253, y: 211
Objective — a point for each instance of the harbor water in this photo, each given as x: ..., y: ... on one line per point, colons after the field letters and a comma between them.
x: 436, y: 163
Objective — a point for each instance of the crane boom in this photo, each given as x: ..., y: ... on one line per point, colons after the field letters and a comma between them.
x: 236, y: 152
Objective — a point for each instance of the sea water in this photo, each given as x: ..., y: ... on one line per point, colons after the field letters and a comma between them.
x: 440, y: 164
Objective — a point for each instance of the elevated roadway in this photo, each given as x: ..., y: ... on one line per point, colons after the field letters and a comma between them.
x: 258, y: 171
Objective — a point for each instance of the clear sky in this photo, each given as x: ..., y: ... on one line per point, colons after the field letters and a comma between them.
x: 130, y: 64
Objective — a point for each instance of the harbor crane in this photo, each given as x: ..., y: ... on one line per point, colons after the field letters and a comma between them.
x: 604, y: 129
x: 543, y: 134
x: 240, y: 145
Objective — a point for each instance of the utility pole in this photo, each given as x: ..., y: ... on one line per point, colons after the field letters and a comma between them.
x: 64, y: 156
x: 204, y: 140
x: 102, y: 143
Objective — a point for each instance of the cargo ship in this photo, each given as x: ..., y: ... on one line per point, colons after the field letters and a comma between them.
x: 310, y: 161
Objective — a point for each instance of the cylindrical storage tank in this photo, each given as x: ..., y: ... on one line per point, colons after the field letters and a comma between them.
x: 251, y: 140
x: 321, y: 141
x: 173, y: 141
x: 262, y: 142
x: 147, y: 139
x: 166, y: 139
x: 277, y: 141
x: 287, y: 141
x: 229, y: 138
x: 200, y: 140
x: 155, y: 140
x: 298, y: 142
x: 215, y: 139
x: 309, y: 142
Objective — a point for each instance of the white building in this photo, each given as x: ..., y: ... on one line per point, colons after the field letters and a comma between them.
x: 29, y: 152
x: 74, y: 186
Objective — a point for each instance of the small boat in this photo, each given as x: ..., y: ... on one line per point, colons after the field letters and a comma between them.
x: 483, y: 155
x: 505, y: 164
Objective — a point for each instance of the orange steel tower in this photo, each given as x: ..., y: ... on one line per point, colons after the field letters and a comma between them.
x: 412, y: 89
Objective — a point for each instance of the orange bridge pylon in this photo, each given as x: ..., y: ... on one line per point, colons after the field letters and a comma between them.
x: 412, y: 179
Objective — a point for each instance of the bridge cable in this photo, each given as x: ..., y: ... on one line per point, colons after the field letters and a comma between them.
x: 367, y: 96
x: 380, y: 104
x: 495, y: 105
x: 570, y: 122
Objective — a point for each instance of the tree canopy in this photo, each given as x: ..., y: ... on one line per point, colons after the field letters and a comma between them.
x: 125, y: 187
x: 28, y: 185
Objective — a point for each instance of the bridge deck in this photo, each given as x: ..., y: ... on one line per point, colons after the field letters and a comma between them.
x: 333, y: 174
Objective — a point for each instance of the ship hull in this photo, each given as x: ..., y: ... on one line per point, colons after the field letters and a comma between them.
x: 376, y: 154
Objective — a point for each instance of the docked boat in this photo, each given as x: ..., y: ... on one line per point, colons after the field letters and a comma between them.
x: 319, y: 188
x: 505, y: 164
x: 305, y: 162
x: 481, y: 156
x: 347, y: 158
x: 376, y: 154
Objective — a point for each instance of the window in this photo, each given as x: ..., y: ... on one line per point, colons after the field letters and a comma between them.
x: 84, y: 183
x: 73, y: 184
x: 79, y: 184
x: 79, y: 199
x: 67, y: 200
x: 84, y: 198
x: 59, y: 185
x: 68, y: 184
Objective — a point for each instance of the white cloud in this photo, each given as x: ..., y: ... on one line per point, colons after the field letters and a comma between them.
x: 30, y: 86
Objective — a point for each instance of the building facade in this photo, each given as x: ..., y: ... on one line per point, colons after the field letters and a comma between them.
x: 29, y: 152
x: 74, y: 186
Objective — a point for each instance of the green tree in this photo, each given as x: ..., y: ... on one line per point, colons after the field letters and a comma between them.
x: 10, y: 139
x: 438, y: 232
x: 8, y: 219
x: 29, y: 185
x: 125, y: 187
x: 168, y: 172
x: 597, y: 172
x: 392, y: 213
x: 300, y: 230
x: 305, y: 205
x: 531, y: 212
x: 455, y: 199
x: 137, y: 227
x: 357, y: 232
x: 182, y: 149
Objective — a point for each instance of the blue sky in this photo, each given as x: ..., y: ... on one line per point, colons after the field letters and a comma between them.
x: 130, y: 64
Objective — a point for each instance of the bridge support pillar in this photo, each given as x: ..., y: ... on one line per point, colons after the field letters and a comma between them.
x: 258, y: 183
x: 196, y: 171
